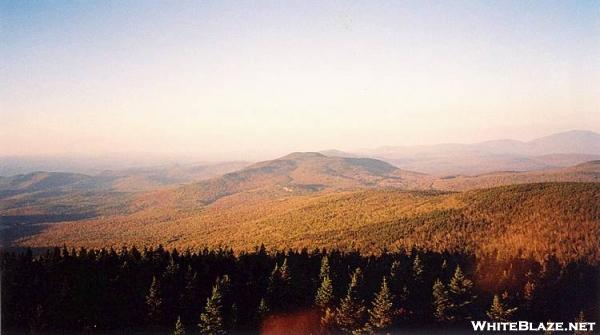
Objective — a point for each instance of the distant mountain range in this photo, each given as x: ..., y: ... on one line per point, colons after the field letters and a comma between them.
x: 128, y: 180
x: 550, y: 152
x: 557, y: 150
x: 571, y: 142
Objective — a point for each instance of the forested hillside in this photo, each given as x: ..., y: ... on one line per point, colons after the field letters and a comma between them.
x: 585, y: 172
x: 530, y: 220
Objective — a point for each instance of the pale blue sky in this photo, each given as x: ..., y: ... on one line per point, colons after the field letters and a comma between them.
x: 254, y: 79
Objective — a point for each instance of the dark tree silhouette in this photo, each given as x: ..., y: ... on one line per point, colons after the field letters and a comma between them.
x: 262, y: 310
x: 98, y: 290
x: 154, y: 302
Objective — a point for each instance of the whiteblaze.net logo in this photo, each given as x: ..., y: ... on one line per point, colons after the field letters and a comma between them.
x: 523, y: 326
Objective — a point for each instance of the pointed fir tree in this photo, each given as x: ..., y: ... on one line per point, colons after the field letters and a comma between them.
x: 417, y: 269
x: 418, y: 293
x: 262, y: 311
x: 529, y: 295
x: 179, y: 328
x: 441, y: 303
x: 186, y: 298
x: 227, y: 303
x: 381, y: 315
x: 351, y: 313
x: 279, y: 289
x: 395, y: 274
x: 284, y: 272
x: 324, y: 271
x: 395, y: 281
x: 460, y: 294
x: 498, y: 311
x: 211, y: 319
x: 444, y: 266
x: 154, y: 302
x: 324, y: 296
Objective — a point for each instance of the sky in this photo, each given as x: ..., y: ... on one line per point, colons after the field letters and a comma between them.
x: 254, y: 79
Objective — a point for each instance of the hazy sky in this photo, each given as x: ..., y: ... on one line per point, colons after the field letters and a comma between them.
x: 218, y: 79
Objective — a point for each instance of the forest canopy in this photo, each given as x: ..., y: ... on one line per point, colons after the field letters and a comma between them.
x: 216, y: 291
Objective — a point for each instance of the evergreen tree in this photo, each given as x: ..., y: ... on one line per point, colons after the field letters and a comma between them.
x: 400, y: 291
x: 179, y: 328
x: 498, y: 311
x: 441, y: 303
x: 381, y: 314
x: 528, y: 295
x: 154, y: 302
x: 227, y: 303
x: 460, y: 294
x: 279, y: 290
x: 188, y: 294
x: 419, y: 294
x: 284, y: 272
x: 324, y: 296
x: 211, y: 320
x: 444, y: 266
x: 417, y: 269
x: 351, y: 313
x: 262, y: 310
x: 324, y: 271
x: 395, y: 271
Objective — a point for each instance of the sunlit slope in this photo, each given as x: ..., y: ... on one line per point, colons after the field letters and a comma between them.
x: 532, y: 219
x: 302, y: 173
x: 585, y: 172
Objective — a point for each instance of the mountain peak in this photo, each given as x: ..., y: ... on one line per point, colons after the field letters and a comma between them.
x: 303, y: 156
x: 570, y: 135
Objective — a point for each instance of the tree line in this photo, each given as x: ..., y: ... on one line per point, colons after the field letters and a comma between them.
x: 296, y: 291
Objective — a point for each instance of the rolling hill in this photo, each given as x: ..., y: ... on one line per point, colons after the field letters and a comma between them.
x: 303, y: 172
x: 127, y: 180
x: 48, y: 197
x: 585, y: 172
